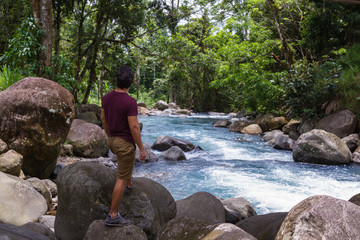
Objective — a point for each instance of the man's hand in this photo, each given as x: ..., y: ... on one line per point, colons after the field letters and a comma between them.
x: 142, y: 155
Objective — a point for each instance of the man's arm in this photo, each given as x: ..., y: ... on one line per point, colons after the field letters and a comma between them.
x: 103, y: 120
x: 135, y: 132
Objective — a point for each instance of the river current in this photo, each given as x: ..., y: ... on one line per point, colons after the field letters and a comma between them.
x: 240, y: 165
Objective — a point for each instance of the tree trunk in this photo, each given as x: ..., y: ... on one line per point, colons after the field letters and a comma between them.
x: 57, y: 23
x: 46, y: 23
x: 288, y: 53
x: 36, y: 9
x: 137, y: 81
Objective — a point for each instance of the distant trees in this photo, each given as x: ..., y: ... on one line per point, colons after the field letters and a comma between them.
x: 227, y: 55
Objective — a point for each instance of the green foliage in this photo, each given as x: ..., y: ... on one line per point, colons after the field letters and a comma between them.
x: 63, y: 72
x: 8, y: 77
x: 349, y: 83
x: 308, y: 86
x: 25, y: 48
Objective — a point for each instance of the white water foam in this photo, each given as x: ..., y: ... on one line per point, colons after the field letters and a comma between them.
x: 283, y: 190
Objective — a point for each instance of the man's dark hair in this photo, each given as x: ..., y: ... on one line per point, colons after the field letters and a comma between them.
x: 124, y: 77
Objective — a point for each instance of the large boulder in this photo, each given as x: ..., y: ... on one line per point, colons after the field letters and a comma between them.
x: 237, y: 209
x: 88, y: 140
x: 321, y: 147
x: 19, y: 202
x: 191, y: 229
x: 161, y: 105
x: 321, y: 217
x: 84, y: 195
x: 341, y: 124
x: 263, y: 226
x: 277, y: 123
x: 201, y: 206
x: 10, y: 162
x: 263, y: 121
x: 35, y: 118
x: 165, y: 142
x: 98, y: 230
x: 174, y: 154
x: 252, y: 129
x: 11, y: 232
x: 291, y: 126
x: 307, y: 126
x: 89, y: 117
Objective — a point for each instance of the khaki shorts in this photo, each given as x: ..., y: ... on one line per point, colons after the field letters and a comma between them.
x: 125, y: 152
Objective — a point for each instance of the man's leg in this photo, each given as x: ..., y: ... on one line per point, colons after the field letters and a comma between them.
x: 117, y: 196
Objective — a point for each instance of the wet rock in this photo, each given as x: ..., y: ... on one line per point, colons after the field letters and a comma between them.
x: 142, y: 104
x: 237, y: 209
x: 221, y: 123
x: 269, y: 137
x: 183, y: 112
x: 238, y: 126
x: 10, y: 162
x: 35, y: 117
x: 341, y: 124
x: 283, y: 142
x: 321, y: 147
x: 98, y: 230
x: 174, y: 154
x: 25, y: 204
x: 88, y: 140
x: 201, y: 206
x: 321, y: 217
x: 150, y: 156
x: 165, y: 142
x: 263, y: 226
x: 40, y: 229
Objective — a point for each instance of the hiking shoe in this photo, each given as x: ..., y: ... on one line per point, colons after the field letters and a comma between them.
x: 117, y: 221
x: 132, y: 184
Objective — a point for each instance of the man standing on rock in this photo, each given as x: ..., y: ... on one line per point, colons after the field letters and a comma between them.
x: 119, y: 118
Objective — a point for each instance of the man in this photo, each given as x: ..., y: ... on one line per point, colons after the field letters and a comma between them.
x: 119, y: 118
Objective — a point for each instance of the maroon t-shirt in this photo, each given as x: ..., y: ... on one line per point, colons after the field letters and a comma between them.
x: 118, y: 106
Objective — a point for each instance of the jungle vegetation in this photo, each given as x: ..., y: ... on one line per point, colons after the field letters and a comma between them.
x: 295, y: 57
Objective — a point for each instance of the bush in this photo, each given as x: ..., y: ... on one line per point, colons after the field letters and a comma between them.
x: 308, y: 86
x: 8, y: 77
x: 349, y: 83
